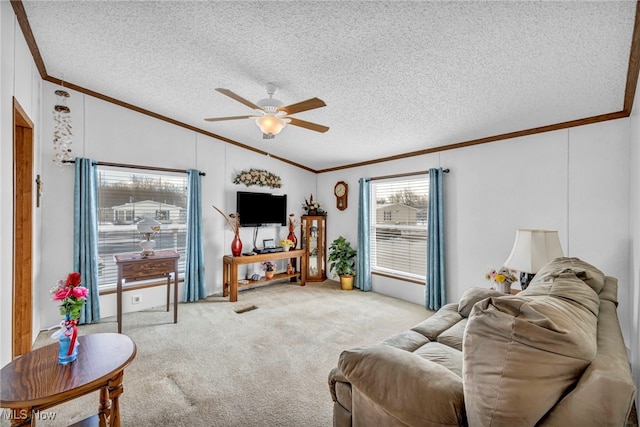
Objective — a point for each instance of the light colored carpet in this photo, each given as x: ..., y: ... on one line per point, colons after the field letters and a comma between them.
x: 262, y: 361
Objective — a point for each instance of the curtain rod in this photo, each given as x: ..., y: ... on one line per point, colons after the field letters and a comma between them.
x: 124, y: 165
x: 375, y: 178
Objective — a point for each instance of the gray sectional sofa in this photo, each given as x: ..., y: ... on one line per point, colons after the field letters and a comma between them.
x: 552, y: 355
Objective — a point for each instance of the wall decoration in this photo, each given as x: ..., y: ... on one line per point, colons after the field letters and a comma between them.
x: 39, y: 188
x: 62, y: 129
x: 340, y: 191
x: 259, y: 177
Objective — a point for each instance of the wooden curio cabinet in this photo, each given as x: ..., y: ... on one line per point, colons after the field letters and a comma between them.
x: 313, y: 234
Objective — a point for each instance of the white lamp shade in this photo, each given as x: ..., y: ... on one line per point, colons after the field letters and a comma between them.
x: 533, y: 249
x: 148, y: 225
x: 270, y: 124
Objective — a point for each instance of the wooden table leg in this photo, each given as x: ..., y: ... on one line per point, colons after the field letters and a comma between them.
x: 294, y: 265
x: 104, y: 410
x: 168, y: 289
x: 119, y: 299
x: 175, y: 295
x: 233, y: 283
x: 115, y: 390
x: 22, y: 417
x: 225, y: 278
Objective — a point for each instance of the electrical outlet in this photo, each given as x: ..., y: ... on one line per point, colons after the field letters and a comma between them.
x: 136, y: 299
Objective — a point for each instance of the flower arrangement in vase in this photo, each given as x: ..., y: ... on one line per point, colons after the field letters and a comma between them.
x: 73, y: 295
x: 286, y: 244
x: 269, y: 269
x: 233, y: 219
x: 502, y: 279
x: 312, y: 207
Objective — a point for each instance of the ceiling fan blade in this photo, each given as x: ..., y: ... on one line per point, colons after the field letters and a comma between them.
x: 309, y: 104
x: 239, y: 98
x: 219, y: 119
x: 308, y: 125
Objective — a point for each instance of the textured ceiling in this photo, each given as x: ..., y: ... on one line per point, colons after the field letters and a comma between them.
x: 397, y: 77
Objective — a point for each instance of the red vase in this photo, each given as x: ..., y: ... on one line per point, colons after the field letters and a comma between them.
x: 292, y: 234
x: 236, y: 246
x: 292, y: 237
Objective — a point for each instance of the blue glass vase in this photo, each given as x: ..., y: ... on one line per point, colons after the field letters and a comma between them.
x: 64, y: 341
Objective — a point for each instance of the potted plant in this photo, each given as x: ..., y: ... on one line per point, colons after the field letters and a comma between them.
x: 342, y: 260
x: 286, y: 244
x: 269, y: 269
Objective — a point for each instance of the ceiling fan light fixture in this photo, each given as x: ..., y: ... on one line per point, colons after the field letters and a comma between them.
x: 270, y: 124
x: 271, y: 116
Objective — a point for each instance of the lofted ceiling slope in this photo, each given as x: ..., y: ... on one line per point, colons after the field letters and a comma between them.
x: 398, y: 77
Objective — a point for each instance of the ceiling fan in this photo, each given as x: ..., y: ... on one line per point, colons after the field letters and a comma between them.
x: 271, y: 115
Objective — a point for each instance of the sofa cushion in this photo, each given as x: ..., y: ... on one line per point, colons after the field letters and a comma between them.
x: 442, y: 320
x: 521, y: 354
x: 568, y: 287
x: 610, y: 290
x: 583, y: 270
x: 407, y: 340
x: 411, y: 389
x: 443, y: 355
x: 472, y: 296
x: 338, y: 386
x: 343, y: 395
x: 453, y: 336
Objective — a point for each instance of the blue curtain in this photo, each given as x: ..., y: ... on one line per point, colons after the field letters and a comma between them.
x: 363, y: 276
x: 85, y: 235
x: 194, y: 263
x: 435, y: 293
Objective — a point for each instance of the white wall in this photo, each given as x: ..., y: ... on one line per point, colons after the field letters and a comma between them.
x: 575, y: 181
x: 109, y: 133
x: 20, y: 79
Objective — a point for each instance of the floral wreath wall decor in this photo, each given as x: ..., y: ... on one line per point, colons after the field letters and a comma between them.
x: 259, y: 177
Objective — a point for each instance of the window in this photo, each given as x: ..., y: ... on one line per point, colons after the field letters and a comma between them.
x: 399, y: 226
x: 125, y: 198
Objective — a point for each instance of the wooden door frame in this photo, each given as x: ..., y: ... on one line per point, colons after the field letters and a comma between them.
x: 22, y: 303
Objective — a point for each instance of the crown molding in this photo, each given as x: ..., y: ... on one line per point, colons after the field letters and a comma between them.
x: 627, y: 106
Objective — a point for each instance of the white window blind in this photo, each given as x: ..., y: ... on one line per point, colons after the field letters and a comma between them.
x: 399, y: 226
x: 125, y: 198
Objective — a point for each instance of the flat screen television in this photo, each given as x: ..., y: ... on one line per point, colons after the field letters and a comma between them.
x: 261, y: 209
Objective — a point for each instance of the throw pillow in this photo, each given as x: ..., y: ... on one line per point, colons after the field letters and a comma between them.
x: 472, y: 296
x: 521, y: 354
x: 583, y: 270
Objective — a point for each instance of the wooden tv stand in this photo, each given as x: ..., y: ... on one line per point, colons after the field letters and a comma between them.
x: 230, y: 270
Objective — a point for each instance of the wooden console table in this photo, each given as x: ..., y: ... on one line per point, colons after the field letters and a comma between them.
x: 230, y: 270
x: 36, y: 381
x: 132, y: 267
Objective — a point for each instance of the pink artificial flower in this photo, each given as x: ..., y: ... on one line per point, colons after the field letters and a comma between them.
x: 80, y: 292
x: 62, y: 294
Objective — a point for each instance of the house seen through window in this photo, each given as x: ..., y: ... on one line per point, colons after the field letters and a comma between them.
x: 124, y: 199
x: 399, y: 226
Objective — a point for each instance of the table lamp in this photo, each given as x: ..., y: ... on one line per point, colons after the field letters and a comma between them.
x: 531, y: 251
x: 148, y: 227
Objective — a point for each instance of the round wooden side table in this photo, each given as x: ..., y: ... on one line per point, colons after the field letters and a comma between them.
x: 36, y: 381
